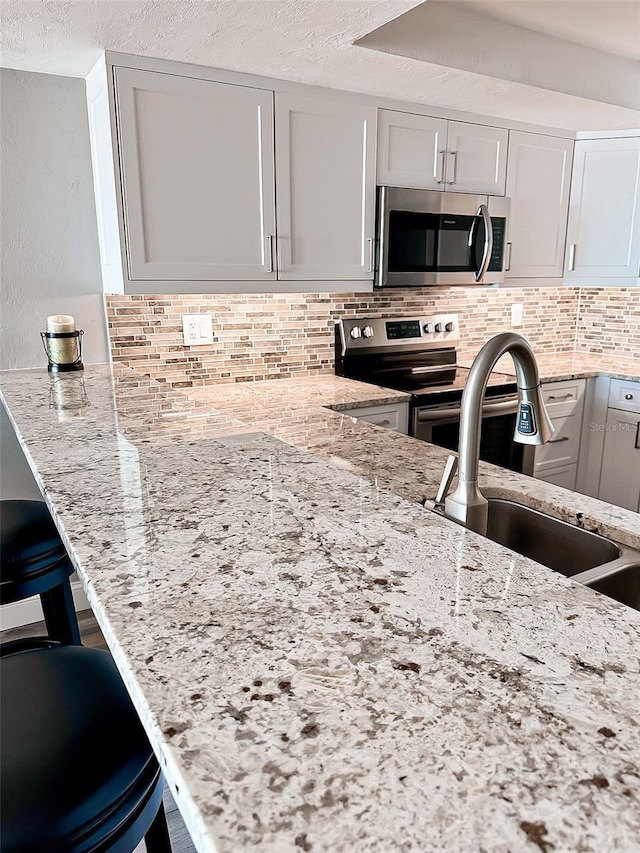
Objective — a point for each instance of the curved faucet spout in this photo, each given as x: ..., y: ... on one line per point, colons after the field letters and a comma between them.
x: 533, y: 425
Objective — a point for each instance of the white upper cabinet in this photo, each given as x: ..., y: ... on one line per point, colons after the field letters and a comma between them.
x: 538, y: 181
x: 411, y: 150
x: 603, y: 237
x: 325, y: 174
x: 422, y: 152
x: 196, y: 160
x: 476, y: 158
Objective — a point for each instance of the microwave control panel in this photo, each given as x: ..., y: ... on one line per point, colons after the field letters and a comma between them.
x: 497, y: 253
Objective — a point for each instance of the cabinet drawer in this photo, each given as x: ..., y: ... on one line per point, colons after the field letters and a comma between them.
x: 624, y: 394
x: 390, y: 417
x: 563, y: 447
x: 565, y: 476
x: 563, y: 397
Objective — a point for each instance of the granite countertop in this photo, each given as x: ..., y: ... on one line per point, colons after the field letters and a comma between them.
x: 581, y: 365
x: 320, y: 663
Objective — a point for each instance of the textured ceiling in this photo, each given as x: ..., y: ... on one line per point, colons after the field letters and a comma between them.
x: 309, y: 41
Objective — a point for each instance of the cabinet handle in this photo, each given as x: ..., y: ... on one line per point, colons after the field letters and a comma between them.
x: 443, y: 155
x: 558, y: 440
x: 628, y: 396
x: 454, y: 154
x: 269, y: 239
x: 507, y: 265
x: 572, y: 256
x: 561, y: 397
x: 637, y: 444
x: 381, y: 423
x: 370, y: 244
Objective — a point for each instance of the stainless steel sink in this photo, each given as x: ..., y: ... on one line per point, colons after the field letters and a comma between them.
x: 554, y: 543
x: 585, y: 557
x: 621, y: 584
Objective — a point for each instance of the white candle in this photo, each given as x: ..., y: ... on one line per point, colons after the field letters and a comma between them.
x: 61, y: 323
x: 62, y: 350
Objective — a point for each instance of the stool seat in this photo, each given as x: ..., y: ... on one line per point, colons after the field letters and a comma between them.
x: 30, y: 542
x: 76, y: 764
x: 34, y: 561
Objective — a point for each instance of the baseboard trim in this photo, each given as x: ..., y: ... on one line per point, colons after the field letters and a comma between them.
x: 21, y: 613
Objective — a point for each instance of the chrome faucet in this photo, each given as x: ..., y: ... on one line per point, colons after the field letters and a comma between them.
x: 533, y: 425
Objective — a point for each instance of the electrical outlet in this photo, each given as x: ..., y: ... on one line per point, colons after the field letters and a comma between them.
x: 516, y: 314
x: 197, y: 329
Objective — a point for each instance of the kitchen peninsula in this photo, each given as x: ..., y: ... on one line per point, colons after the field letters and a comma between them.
x: 320, y: 663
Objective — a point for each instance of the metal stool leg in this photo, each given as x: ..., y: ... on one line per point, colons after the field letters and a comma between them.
x: 60, y: 614
x: 157, y: 838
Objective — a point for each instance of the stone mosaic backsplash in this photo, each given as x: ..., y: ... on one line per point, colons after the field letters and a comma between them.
x: 262, y: 336
x: 609, y: 321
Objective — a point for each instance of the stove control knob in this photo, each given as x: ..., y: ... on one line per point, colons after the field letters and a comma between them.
x: 449, y: 327
x: 368, y: 331
x: 355, y: 332
x: 429, y: 328
x: 439, y: 327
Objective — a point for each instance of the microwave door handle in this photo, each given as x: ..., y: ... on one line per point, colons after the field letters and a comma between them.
x: 483, y: 211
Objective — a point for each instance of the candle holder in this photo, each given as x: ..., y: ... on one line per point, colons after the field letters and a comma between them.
x: 64, y: 350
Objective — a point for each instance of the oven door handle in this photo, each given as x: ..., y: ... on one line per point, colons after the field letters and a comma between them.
x: 504, y: 407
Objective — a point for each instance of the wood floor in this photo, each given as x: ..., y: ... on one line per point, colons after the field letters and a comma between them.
x: 92, y: 636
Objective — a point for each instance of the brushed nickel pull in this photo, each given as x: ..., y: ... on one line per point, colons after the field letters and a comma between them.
x: 443, y: 155
x: 370, y: 242
x: 269, y: 239
x: 507, y: 265
x: 558, y: 440
x: 561, y: 397
x: 628, y: 396
x: 572, y: 256
x: 454, y: 154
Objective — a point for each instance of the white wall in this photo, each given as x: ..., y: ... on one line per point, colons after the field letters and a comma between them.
x: 48, y: 237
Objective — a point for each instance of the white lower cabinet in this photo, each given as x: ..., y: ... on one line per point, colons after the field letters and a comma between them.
x: 557, y: 460
x: 394, y: 417
x: 564, y: 476
x: 620, y: 471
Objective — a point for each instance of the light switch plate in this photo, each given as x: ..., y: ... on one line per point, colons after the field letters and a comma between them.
x: 197, y: 329
x: 517, y: 310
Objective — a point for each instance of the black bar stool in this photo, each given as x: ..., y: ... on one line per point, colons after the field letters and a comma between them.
x: 77, y: 772
x: 34, y: 562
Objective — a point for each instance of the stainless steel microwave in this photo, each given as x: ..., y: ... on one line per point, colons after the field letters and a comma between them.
x: 426, y: 238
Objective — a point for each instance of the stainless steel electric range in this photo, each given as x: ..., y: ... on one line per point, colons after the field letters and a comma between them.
x: 417, y: 355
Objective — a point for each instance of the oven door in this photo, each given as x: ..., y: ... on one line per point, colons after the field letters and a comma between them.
x: 441, y: 426
x: 428, y: 238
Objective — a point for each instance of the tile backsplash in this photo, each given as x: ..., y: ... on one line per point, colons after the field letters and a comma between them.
x: 263, y: 336
x: 609, y: 321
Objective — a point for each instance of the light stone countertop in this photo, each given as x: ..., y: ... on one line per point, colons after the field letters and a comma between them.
x: 581, y: 365
x: 320, y: 663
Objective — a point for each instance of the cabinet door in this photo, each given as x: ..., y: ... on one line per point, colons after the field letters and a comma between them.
x: 325, y: 173
x: 538, y: 181
x: 565, y: 477
x: 603, y: 238
x: 563, y: 447
x: 411, y: 150
x: 476, y: 158
x: 196, y: 160
x: 620, y: 473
